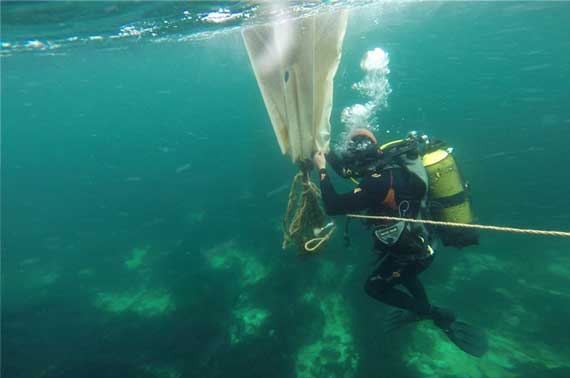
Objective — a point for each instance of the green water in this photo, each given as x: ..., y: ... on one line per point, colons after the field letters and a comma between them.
x: 143, y: 190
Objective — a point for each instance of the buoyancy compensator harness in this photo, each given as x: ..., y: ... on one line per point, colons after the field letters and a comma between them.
x: 404, y: 238
x: 446, y: 200
x: 407, y: 240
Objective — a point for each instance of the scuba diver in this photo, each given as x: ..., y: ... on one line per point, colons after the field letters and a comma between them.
x: 392, y: 181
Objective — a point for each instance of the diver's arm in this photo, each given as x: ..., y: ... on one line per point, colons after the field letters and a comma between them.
x: 336, y: 162
x: 336, y: 204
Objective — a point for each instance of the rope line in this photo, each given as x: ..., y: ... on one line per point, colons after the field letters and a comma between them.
x: 309, y: 247
x: 466, y: 225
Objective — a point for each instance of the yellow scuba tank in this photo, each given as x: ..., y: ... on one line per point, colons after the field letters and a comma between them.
x: 446, y: 188
x: 448, y: 198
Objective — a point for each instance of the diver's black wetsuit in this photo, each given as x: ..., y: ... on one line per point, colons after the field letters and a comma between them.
x: 406, y: 259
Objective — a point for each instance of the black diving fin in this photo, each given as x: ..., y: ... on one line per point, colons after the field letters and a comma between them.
x: 469, y: 339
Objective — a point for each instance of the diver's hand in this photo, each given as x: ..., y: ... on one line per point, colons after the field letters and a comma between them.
x: 319, y: 160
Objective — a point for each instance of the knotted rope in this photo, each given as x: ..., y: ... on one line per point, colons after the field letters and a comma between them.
x: 304, y: 216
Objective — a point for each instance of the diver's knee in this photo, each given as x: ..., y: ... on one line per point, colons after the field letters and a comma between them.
x: 375, y: 286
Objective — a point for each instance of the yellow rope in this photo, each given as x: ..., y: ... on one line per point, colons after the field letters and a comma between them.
x: 466, y: 225
x: 318, y: 241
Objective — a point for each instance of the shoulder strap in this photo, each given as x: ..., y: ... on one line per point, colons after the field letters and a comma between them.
x: 390, y: 199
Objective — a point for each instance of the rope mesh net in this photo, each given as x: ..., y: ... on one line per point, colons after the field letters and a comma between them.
x: 304, y: 214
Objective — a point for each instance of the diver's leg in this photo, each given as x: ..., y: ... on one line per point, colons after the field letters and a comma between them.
x: 441, y: 316
x: 411, y: 281
x: 416, y: 288
x: 381, y: 286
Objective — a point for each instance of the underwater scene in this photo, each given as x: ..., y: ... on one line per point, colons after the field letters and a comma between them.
x: 146, y: 173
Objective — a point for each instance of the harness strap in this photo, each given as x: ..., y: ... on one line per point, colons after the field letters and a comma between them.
x: 390, y: 199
